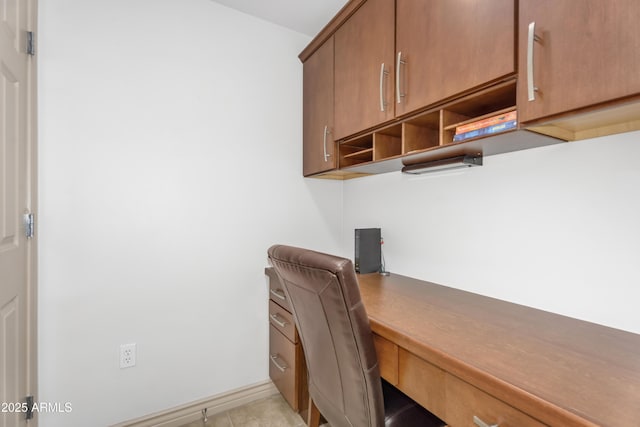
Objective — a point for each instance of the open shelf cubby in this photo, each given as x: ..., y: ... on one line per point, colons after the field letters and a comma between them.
x: 421, y: 133
x: 387, y: 143
x: 380, y: 145
x: 498, y: 99
x: 429, y: 134
x: 356, y: 151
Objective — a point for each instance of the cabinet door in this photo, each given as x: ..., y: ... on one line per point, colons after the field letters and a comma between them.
x: 587, y: 54
x: 317, y: 111
x: 364, y: 68
x: 451, y: 46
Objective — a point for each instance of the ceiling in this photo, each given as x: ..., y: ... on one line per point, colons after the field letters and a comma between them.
x: 304, y: 16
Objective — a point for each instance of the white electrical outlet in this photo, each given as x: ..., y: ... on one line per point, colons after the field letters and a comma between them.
x: 127, y: 355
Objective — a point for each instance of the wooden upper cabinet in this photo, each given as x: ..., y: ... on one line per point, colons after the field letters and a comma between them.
x: 319, y: 153
x: 584, y: 53
x: 451, y: 46
x: 404, y: 55
x: 364, y: 68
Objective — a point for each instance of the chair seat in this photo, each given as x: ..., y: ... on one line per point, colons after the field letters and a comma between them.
x: 401, y: 411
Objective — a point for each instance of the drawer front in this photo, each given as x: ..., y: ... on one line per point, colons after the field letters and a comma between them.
x: 282, y: 366
x: 282, y: 320
x: 423, y: 382
x: 276, y: 293
x: 387, y: 358
x: 469, y: 406
x: 455, y: 401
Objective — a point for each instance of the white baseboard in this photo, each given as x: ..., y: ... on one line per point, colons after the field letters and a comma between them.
x: 191, y: 412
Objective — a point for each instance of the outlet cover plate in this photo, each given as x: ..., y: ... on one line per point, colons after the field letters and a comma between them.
x: 127, y: 355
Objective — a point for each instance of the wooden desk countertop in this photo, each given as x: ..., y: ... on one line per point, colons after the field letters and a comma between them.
x: 562, y: 371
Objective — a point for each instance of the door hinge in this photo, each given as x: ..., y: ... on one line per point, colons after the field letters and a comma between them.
x: 29, y: 412
x: 31, y: 47
x: 29, y: 225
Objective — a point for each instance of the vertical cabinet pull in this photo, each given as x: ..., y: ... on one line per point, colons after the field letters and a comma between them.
x: 383, y: 74
x: 324, y: 139
x: 477, y: 421
x: 531, y: 37
x: 399, y: 63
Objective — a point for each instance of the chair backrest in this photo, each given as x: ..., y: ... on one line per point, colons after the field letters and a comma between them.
x: 344, y: 377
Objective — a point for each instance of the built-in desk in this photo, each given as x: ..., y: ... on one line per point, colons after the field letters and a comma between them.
x: 463, y: 355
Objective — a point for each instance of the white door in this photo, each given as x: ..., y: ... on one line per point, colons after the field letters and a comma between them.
x: 17, y: 198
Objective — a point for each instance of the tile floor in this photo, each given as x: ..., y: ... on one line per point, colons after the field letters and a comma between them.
x: 272, y: 411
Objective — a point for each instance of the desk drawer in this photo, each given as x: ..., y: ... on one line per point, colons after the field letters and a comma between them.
x: 282, y: 320
x: 464, y: 402
x: 276, y: 293
x: 283, y: 362
x: 453, y: 400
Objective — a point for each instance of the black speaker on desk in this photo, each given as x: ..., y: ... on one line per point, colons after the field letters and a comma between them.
x: 368, y: 258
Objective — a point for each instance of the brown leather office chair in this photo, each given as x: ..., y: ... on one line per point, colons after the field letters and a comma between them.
x: 344, y: 377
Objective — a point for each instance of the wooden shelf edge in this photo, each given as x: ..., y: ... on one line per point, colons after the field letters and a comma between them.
x: 610, y: 120
x: 358, y: 153
x: 339, y: 175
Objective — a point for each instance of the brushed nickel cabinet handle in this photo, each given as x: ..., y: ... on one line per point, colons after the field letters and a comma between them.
x: 531, y: 37
x: 274, y: 359
x: 477, y: 421
x: 277, y: 320
x: 324, y: 139
x: 278, y: 293
x: 400, y: 62
x: 383, y: 74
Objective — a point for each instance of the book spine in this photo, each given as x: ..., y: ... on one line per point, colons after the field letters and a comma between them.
x: 502, y: 118
x: 497, y: 128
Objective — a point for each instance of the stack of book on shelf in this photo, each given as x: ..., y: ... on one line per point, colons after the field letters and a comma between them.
x: 487, y: 126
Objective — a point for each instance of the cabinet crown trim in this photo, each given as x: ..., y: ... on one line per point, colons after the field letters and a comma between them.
x: 328, y: 30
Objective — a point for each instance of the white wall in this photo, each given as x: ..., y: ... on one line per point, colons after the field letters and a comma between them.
x: 170, y: 160
x: 554, y: 228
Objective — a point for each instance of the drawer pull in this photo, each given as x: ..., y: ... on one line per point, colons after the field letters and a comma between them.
x: 274, y: 359
x: 477, y: 421
x: 279, y: 293
x: 277, y: 320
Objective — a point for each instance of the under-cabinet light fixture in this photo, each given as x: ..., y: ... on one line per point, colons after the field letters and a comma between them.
x: 443, y: 164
